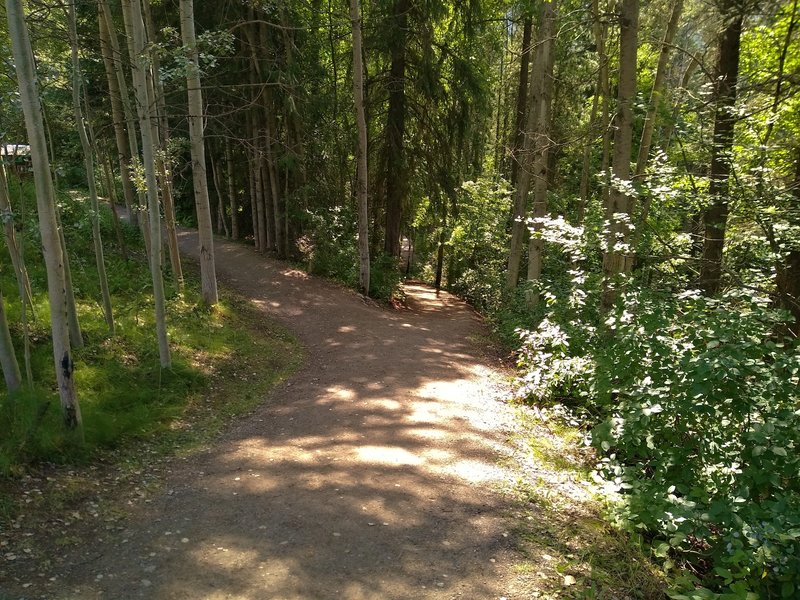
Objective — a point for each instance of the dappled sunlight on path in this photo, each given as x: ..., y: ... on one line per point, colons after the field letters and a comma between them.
x: 370, y: 474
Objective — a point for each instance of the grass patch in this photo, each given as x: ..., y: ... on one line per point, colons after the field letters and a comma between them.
x: 570, y: 550
x: 225, y: 359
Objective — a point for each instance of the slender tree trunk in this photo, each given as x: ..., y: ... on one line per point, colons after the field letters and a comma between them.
x: 395, y: 129
x: 787, y: 280
x: 75, y: 335
x: 232, y: 196
x: 600, y: 31
x: 139, y: 214
x: 208, y: 274
x: 716, y: 216
x: 522, y: 96
x: 658, y: 88
x: 618, y: 257
x: 112, y: 203
x: 216, y: 175
x: 88, y: 162
x: 17, y: 260
x: 669, y: 127
x: 545, y: 59
x: 8, y: 359
x: 361, y: 121
x: 46, y: 201
x: 144, y: 104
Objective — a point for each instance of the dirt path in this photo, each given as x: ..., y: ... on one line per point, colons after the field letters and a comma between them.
x: 370, y: 474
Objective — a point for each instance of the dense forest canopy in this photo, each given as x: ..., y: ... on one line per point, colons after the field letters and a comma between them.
x: 616, y: 185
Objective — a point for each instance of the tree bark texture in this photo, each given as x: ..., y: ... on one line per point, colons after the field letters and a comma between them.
x: 46, y: 203
x: 208, y: 275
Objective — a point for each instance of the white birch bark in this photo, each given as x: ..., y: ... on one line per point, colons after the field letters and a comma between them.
x: 46, y: 207
x: 208, y: 276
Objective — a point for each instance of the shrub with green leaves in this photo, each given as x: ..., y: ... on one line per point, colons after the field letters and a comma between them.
x: 702, y: 435
x: 695, y: 415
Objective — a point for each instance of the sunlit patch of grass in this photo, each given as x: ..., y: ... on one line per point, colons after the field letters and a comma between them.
x: 569, y: 549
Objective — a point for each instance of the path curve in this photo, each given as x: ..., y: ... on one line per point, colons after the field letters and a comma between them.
x: 370, y: 474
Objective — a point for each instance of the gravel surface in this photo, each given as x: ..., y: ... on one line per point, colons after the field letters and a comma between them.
x: 372, y: 473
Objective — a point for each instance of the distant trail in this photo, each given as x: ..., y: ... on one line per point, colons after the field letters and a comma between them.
x: 370, y: 474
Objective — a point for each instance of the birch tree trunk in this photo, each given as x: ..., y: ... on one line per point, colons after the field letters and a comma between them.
x: 8, y: 359
x: 45, y: 202
x: 361, y: 121
x: 88, y: 162
x: 618, y: 257
x: 658, y: 88
x: 144, y: 103
x: 208, y: 275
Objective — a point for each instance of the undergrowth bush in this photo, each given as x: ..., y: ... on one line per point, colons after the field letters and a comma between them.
x: 694, y: 411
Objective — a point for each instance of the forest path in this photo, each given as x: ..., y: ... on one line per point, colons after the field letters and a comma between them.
x: 372, y: 473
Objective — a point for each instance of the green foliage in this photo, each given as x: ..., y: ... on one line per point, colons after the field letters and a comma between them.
x: 123, y: 392
x: 702, y: 432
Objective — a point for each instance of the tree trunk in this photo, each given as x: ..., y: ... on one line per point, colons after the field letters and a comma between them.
x: 144, y: 104
x: 208, y: 274
x: 17, y: 260
x: 46, y: 202
x: 395, y: 129
x: 716, y: 216
x: 232, y: 197
x: 361, y: 121
x: 8, y: 359
x: 618, y: 257
x: 522, y: 96
x: 658, y: 88
x: 543, y: 81
x: 138, y: 215
x: 108, y: 174
x: 88, y: 162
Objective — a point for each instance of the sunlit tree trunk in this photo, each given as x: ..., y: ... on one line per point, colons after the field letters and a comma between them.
x: 208, y: 275
x: 144, y: 104
x: 658, y: 88
x: 618, y: 257
x: 361, y: 121
x: 45, y: 201
x: 716, y: 216
x: 88, y: 162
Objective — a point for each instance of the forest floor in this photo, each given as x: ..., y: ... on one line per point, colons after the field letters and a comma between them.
x: 387, y: 467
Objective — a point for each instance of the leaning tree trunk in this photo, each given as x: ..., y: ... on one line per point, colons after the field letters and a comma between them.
x: 17, y: 260
x: 144, y: 103
x: 208, y: 275
x: 46, y: 206
x: 361, y: 121
x: 88, y: 163
x: 716, y: 215
x: 618, y: 257
x: 658, y: 88
x: 8, y: 359
x: 543, y: 82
